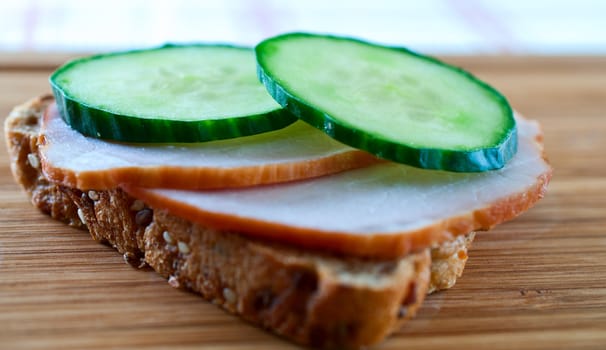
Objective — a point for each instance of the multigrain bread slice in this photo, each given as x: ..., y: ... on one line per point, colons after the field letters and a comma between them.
x: 310, y: 297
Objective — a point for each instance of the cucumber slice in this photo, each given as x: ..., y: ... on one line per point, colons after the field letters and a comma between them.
x: 392, y: 102
x: 174, y: 93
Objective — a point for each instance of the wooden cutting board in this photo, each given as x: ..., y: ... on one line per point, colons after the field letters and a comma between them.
x: 538, y: 282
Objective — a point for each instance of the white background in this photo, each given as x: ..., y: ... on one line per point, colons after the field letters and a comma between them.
x: 541, y: 27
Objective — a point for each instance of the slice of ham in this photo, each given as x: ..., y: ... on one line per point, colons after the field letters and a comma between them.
x: 385, y: 210
x: 296, y: 152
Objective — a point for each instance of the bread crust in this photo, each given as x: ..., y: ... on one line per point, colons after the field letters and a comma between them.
x: 312, y: 298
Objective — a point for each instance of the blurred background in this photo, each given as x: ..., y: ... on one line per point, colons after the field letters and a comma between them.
x: 458, y: 27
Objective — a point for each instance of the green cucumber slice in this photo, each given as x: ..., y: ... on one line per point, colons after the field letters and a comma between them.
x: 392, y: 102
x: 174, y: 93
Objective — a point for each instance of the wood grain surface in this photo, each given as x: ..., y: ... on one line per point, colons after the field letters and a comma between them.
x: 538, y: 282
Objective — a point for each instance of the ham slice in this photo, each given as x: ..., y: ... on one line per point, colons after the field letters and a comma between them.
x: 385, y: 210
x: 296, y: 152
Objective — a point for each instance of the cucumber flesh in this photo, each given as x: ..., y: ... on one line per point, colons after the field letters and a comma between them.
x: 392, y: 102
x: 186, y: 93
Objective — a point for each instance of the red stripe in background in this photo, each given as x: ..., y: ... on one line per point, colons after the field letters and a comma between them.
x: 262, y: 17
x: 482, y: 21
x: 30, y: 19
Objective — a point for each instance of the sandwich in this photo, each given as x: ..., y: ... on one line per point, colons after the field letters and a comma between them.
x: 322, y: 204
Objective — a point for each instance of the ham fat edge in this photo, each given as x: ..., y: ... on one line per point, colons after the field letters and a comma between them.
x: 296, y: 152
x: 385, y: 210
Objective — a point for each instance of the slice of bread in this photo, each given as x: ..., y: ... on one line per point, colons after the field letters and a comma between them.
x: 310, y: 297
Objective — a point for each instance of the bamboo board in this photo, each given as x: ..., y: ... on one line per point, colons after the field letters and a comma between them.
x: 538, y: 282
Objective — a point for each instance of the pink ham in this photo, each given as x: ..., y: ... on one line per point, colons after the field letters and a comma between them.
x: 385, y: 210
x: 299, y: 151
